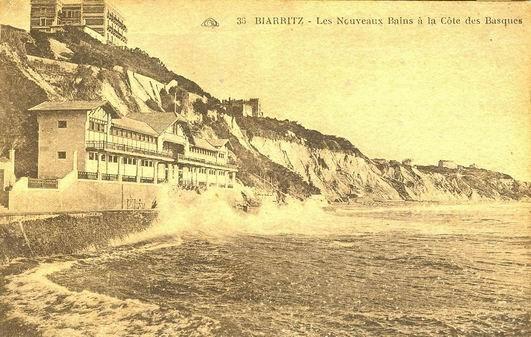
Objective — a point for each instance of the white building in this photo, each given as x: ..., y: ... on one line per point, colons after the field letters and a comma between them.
x: 142, y: 148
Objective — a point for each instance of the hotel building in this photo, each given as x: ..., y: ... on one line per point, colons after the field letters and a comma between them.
x: 96, y: 17
x: 138, y: 148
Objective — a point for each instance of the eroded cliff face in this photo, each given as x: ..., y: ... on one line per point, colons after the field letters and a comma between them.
x: 272, y: 154
x: 461, y: 184
x: 341, y: 175
x: 338, y: 174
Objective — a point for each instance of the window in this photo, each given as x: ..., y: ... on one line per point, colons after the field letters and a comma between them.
x: 43, y: 22
x: 96, y: 126
x: 61, y: 124
x: 93, y: 156
x: 61, y: 155
x: 113, y: 159
x: 103, y: 157
x: 130, y: 161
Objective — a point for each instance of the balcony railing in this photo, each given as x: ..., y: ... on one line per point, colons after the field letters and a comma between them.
x: 43, y: 183
x: 104, y: 145
x: 130, y: 179
x: 109, y: 177
x: 87, y: 175
x: 204, y: 161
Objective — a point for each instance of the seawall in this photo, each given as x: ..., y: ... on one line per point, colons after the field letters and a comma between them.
x: 84, y: 195
x: 68, y: 234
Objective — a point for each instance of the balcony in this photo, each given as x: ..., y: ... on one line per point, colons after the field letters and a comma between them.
x: 104, y: 145
x: 87, y: 175
x: 181, y: 158
x: 109, y: 177
x: 197, y: 160
x: 130, y: 179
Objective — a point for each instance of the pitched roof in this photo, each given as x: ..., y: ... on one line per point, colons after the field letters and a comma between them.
x: 203, y: 143
x: 68, y: 105
x: 134, y: 125
x: 159, y: 121
x: 218, y: 142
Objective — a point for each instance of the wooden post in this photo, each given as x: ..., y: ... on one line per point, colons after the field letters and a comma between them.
x: 155, y: 172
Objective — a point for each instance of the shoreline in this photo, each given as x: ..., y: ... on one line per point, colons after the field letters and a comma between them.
x: 37, y: 234
x: 68, y: 234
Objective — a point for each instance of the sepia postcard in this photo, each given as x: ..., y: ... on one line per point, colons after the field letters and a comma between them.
x: 265, y: 168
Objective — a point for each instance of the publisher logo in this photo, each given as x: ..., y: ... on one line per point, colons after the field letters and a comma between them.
x: 210, y: 23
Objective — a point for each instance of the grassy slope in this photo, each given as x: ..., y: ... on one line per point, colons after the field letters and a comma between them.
x: 87, y: 50
x: 17, y: 94
x: 277, y: 129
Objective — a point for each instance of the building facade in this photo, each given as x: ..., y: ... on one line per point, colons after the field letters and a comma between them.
x: 447, y: 164
x: 94, y: 16
x: 246, y: 108
x: 140, y: 148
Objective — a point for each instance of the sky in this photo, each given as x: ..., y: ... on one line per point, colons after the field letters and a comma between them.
x: 427, y: 92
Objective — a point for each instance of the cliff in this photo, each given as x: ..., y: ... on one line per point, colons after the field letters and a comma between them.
x: 271, y: 154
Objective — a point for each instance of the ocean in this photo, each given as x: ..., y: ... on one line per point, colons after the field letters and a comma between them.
x: 407, y: 269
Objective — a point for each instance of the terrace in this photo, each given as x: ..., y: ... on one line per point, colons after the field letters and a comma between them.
x: 109, y: 146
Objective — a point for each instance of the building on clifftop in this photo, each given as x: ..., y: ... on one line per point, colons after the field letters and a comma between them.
x: 246, y: 108
x: 447, y: 164
x: 95, y: 17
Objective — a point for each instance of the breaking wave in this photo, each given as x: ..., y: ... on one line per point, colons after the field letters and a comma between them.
x: 212, y: 215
